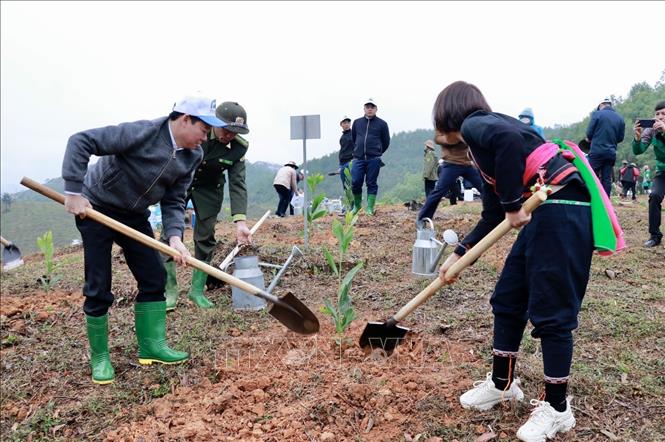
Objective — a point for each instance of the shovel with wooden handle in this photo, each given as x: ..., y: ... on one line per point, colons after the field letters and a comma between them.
x: 11, y: 255
x: 387, y: 335
x: 287, y: 309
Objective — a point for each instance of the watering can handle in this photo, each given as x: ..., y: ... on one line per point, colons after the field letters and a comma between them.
x: 469, y: 257
x: 431, y: 223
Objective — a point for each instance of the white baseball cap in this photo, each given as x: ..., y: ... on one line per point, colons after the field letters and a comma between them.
x: 200, y: 107
x: 371, y: 101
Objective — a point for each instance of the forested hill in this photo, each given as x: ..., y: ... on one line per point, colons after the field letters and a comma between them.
x: 400, y: 180
x: 639, y: 103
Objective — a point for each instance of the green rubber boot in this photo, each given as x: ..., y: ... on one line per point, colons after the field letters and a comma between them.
x: 371, y: 199
x: 196, y: 291
x: 357, y: 203
x: 150, y: 323
x: 100, y: 361
x: 171, y: 290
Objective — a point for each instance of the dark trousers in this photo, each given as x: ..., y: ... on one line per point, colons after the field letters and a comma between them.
x: 655, y: 206
x: 628, y: 186
x: 603, y: 165
x: 448, y: 179
x: 145, y: 263
x: 291, y: 208
x: 284, y: 199
x: 367, y: 171
x: 204, y: 238
x: 342, y: 175
x: 429, y: 186
x: 544, y: 280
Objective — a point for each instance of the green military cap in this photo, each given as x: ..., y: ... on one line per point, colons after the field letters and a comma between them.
x: 234, y: 116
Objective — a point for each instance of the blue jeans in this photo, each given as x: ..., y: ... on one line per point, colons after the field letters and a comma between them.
x: 447, y: 178
x: 603, y: 165
x: 367, y: 171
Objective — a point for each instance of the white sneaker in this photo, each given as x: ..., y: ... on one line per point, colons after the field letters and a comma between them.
x: 484, y: 395
x: 545, y: 422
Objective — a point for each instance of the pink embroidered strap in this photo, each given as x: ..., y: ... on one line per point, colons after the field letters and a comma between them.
x: 541, y: 155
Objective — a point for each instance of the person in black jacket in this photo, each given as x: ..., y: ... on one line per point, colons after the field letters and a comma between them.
x: 371, y: 139
x: 606, y: 129
x: 546, y: 273
x: 345, y: 151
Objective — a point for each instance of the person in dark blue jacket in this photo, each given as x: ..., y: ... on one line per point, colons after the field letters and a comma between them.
x: 371, y: 139
x: 606, y: 130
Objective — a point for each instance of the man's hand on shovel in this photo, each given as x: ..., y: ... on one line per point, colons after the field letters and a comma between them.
x: 176, y: 243
x: 77, y: 205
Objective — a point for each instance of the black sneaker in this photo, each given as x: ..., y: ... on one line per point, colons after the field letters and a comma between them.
x: 652, y: 242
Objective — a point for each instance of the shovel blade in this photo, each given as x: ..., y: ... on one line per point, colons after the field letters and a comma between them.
x: 11, y: 257
x: 295, y: 315
x: 383, y: 335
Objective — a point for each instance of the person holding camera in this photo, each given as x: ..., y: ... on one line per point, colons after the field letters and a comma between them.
x: 645, y: 137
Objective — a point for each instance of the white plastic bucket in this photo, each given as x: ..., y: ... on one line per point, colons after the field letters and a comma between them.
x: 468, y: 195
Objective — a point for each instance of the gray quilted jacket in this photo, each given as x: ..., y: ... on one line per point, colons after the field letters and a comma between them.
x: 138, y: 167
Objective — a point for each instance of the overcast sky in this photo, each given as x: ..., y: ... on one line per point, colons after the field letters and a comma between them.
x: 67, y: 67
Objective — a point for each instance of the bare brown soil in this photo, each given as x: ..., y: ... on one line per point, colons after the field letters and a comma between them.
x: 251, y: 379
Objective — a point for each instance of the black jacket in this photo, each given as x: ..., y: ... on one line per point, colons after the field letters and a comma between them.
x: 500, y: 146
x: 606, y: 130
x: 345, y: 147
x: 371, y: 138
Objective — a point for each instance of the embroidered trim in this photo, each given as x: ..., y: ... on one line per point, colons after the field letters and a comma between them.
x: 551, y: 380
x: 505, y: 354
x: 568, y: 202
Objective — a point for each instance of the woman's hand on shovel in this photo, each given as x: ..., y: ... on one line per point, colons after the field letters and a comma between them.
x: 177, y: 244
x: 452, y: 259
x: 518, y: 218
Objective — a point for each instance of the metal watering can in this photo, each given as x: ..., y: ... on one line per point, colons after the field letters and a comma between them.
x: 427, y: 250
x: 247, y: 269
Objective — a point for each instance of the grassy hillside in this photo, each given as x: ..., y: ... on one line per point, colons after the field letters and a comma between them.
x: 29, y: 219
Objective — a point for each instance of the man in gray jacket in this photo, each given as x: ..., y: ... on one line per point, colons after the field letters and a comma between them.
x: 142, y: 163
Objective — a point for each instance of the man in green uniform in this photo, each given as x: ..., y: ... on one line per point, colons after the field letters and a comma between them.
x: 225, y: 151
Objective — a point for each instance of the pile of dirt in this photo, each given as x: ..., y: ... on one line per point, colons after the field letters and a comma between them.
x: 283, y: 387
x: 39, y: 306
